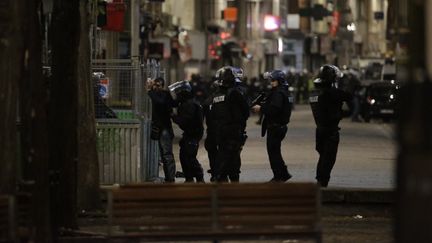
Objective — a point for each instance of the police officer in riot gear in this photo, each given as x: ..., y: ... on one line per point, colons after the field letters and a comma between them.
x: 277, y: 112
x: 326, y: 104
x: 243, y: 89
x: 189, y: 118
x: 210, y: 142
x: 230, y: 112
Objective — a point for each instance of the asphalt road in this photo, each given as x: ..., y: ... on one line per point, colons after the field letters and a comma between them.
x: 366, y: 156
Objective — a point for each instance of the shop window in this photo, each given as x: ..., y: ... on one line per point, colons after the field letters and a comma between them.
x: 289, y: 60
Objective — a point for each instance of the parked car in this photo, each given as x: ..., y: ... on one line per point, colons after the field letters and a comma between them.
x: 379, y: 101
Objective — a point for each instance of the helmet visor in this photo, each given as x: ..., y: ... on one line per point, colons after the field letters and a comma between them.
x: 267, y: 75
x: 338, y: 72
x: 178, y: 87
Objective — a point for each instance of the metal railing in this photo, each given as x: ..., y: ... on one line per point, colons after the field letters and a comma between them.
x: 126, y: 152
x: 118, y: 146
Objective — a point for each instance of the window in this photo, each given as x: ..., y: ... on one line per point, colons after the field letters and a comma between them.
x: 289, y: 46
x: 289, y: 60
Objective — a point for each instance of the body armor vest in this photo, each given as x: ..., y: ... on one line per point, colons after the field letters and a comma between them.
x: 326, y: 111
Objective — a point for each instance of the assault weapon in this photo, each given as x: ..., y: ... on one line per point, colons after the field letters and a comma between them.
x: 259, y: 100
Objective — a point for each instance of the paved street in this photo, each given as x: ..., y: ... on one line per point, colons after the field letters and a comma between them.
x: 366, y: 156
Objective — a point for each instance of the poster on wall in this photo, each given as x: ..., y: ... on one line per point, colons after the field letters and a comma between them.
x: 335, y: 23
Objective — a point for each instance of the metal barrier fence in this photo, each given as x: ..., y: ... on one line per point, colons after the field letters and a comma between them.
x: 151, y: 153
x: 126, y: 152
x: 118, y: 146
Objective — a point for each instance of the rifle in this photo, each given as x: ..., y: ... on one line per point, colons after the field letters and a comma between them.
x: 259, y: 100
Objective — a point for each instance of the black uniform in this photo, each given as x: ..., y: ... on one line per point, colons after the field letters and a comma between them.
x: 190, y: 120
x: 277, y: 113
x: 210, y: 142
x: 229, y: 113
x: 326, y: 103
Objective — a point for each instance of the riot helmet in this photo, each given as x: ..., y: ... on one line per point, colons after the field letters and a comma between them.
x: 228, y: 76
x: 96, y: 77
x: 328, y: 74
x: 277, y: 75
x: 238, y: 74
x: 180, y: 90
x: 214, y: 86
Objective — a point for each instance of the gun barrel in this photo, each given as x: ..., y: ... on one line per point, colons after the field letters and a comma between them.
x: 258, y: 100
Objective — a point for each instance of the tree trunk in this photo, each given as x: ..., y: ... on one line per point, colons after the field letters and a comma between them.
x: 88, y: 166
x: 33, y: 113
x: 63, y: 136
x: 414, y: 131
x: 11, y: 56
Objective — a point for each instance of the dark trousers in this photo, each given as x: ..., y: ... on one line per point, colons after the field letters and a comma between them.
x: 210, y: 145
x: 234, y: 174
x: 228, y: 160
x: 355, y: 108
x: 327, y: 142
x: 190, y: 165
x: 275, y: 135
x: 167, y: 156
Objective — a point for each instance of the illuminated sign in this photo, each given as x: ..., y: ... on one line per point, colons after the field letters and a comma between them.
x: 230, y: 14
x: 271, y: 22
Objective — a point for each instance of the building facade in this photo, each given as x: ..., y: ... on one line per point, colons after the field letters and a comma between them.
x: 199, y: 36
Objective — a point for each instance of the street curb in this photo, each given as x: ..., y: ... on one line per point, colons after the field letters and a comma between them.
x: 357, y: 195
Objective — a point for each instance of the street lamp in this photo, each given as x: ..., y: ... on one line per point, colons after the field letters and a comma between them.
x: 351, y: 27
